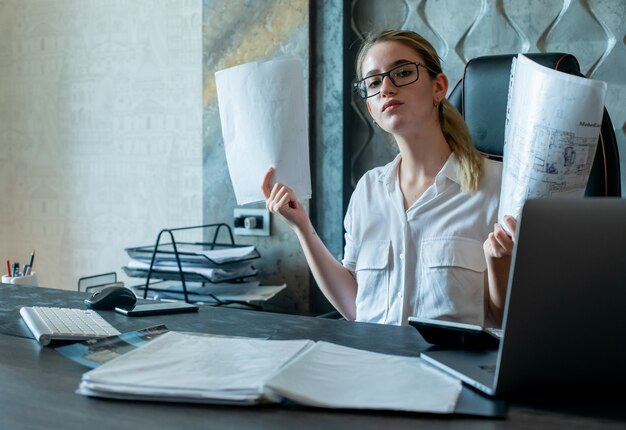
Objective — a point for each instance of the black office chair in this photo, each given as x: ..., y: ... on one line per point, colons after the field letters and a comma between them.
x: 481, y: 97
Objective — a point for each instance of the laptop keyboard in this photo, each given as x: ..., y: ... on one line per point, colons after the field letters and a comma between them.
x: 489, y: 368
x: 48, y: 324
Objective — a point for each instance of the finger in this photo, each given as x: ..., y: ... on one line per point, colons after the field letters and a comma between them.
x: 503, y: 239
x: 278, y: 192
x: 265, y: 185
x: 275, y: 190
x: 511, y: 225
x: 492, y: 247
x: 271, y: 199
x: 499, y: 231
x: 285, y: 201
x: 490, y: 242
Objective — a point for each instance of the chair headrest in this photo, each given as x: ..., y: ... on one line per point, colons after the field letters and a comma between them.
x: 481, y: 96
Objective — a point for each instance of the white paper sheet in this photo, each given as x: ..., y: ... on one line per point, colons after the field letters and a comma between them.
x: 335, y: 376
x: 212, y: 274
x: 225, y: 255
x: 190, y: 253
x: 243, y: 292
x: 182, y: 367
x: 264, y: 123
x: 551, y: 134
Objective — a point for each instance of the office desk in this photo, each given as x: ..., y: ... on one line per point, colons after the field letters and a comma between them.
x: 37, y: 384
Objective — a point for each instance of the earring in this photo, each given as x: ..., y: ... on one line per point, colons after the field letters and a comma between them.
x: 436, y: 103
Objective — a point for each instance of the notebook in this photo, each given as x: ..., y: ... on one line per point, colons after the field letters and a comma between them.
x: 564, y: 323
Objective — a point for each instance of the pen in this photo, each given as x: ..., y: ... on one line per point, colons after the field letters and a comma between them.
x: 16, y: 268
x: 9, y: 268
x: 32, y: 260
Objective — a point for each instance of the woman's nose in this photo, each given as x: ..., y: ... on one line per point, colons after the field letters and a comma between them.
x: 387, y: 86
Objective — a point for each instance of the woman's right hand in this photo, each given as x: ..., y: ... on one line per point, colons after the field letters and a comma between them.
x: 282, y: 201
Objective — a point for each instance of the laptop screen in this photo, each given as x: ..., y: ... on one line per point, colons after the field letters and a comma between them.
x: 565, y: 314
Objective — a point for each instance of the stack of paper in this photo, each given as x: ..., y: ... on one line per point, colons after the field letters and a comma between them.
x: 240, y: 292
x: 190, y: 254
x: 212, y: 274
x: 187, y: 368
x: 215, y: 265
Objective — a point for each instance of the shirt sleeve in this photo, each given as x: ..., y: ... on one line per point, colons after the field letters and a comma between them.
x: 349, y: 253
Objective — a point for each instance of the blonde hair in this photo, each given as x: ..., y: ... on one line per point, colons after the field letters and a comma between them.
x: 452, y: 124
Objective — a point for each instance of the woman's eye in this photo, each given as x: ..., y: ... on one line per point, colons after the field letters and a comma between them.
x: 374, y: 83
x: 405, y: 73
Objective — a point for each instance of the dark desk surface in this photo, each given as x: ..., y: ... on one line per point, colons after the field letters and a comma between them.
x: 37, y: 384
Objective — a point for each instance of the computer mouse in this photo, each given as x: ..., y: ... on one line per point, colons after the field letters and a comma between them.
x: 110, y: 298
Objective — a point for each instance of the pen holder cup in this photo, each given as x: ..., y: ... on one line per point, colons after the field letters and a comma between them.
x: 21, y: 280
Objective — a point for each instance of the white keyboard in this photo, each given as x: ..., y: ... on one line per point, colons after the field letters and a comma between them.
x: 48, y: 324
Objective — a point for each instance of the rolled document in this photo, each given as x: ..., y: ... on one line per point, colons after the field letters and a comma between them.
x: 552, y: 129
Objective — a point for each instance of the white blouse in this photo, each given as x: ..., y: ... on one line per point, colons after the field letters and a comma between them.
x: 427, y: 261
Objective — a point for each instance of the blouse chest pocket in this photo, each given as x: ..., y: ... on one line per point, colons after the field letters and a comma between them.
x: 372, y: 276
x: 452, y: 286
x: 454, y: 252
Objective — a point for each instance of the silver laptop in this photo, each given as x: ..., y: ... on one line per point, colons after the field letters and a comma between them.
x: 564, y: 324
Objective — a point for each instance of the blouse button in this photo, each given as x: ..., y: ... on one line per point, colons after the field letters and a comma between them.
x: 402, y: 256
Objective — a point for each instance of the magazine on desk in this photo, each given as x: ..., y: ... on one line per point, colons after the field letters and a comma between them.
x: 179, y: 367
x: 95, y: 352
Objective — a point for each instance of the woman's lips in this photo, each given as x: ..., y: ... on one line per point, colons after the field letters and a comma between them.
x: 390, y: 104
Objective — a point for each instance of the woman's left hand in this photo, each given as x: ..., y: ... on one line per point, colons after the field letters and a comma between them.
x: 498, y: 249
x: 499, y: 244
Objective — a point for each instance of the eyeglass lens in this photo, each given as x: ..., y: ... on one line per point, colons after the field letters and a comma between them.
x: 404, y: 74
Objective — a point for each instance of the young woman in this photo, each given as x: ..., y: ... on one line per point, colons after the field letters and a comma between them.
x: 419, y: 238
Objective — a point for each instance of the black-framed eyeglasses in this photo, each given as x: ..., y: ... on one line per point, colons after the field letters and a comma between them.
x: 404, y: 74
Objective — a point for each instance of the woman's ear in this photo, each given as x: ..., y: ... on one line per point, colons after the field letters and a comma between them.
x: 440, y: 86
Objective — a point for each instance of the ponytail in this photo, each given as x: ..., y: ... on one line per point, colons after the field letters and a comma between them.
x: 457, y: 135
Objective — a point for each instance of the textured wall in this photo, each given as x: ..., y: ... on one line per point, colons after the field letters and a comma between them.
x: 327, y: 132
x: 593, y: 30
x: 100, y: 130
x: 237, y: 32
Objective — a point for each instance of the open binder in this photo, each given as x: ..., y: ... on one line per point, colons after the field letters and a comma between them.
x: 185, y: 261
